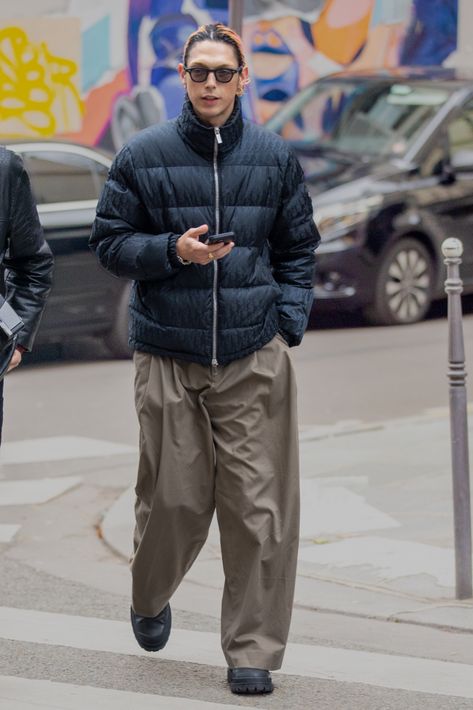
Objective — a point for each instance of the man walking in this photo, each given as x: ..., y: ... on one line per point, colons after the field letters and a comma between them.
x: 26, y: 257
x: 211, y: 326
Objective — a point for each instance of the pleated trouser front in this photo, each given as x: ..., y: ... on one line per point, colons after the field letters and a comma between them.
x: 221, y: 438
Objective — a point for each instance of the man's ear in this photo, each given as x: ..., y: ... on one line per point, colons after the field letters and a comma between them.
x: 182, y: 73
x: 243, y: 80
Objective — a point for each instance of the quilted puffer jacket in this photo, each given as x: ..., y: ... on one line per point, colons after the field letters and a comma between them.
x: 25, y: 255
x: 239, y: 178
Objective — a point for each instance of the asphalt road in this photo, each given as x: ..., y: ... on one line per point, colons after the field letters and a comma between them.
x: 375, y: 373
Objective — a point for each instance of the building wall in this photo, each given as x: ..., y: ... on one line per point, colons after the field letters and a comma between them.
x: 95, y: 71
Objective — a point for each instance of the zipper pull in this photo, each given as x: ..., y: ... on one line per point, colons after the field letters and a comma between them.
x: 218, y: 136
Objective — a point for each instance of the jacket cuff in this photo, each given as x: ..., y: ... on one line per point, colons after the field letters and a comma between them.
x: 172, y: 251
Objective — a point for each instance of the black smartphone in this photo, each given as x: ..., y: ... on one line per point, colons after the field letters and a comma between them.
x: 224, y: 237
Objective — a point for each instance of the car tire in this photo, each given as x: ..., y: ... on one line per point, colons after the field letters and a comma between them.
x: 404, y: 285
x: 116, y: 339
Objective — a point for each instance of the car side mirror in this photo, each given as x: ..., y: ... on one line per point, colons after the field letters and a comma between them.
x: 445, y: 172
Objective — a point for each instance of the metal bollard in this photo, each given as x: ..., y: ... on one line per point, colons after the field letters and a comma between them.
x: 452, y: 250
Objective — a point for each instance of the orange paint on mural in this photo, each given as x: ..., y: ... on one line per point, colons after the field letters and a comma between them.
x: 98, y: 107
x: 340, y: 31
x: 266, y: 64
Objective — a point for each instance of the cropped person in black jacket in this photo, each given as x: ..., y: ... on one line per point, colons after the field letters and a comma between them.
x: 211, y: 326
x: 26, y: 257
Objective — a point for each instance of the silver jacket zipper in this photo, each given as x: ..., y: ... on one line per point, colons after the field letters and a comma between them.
x: 218, y: 140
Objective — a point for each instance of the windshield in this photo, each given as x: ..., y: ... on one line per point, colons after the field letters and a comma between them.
x: 360, y: 117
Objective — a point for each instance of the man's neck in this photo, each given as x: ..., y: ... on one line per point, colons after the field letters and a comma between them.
x: 217, y: 123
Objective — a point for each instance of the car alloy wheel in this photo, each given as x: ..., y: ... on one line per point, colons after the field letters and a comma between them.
x: 404, y: 285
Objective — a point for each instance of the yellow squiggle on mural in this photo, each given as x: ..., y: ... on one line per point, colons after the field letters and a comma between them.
x: 36, y: 87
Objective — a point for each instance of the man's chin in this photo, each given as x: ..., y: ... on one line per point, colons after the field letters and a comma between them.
x: 210, y: 109
x: 206, y: 114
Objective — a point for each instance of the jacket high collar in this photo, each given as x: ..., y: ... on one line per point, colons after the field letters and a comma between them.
x: 202, y: 138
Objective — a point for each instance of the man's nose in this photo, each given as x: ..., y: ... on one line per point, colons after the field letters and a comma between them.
x: 211, y: 80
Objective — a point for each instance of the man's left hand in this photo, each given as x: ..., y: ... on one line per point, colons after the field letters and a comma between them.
x: 16, y: 359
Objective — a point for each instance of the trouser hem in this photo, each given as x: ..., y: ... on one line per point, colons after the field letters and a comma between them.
x: 255, y: 659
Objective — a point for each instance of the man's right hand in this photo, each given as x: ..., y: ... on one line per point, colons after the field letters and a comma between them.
x: 189, y: 248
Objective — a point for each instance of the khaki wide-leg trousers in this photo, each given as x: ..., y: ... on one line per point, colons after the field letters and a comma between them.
x: 221, y: 438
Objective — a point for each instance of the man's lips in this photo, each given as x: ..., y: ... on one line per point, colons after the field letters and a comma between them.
x: 210, y: 99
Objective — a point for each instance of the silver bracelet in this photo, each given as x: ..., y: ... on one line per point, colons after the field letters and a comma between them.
x: 183, y: 261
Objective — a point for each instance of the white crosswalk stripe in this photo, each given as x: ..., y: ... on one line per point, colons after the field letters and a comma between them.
x: 342, y: 665
x: 24, y: 694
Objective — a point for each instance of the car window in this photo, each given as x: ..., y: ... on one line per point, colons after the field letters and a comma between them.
x: 433, y: 162
x: 64, y: 177
x: 460, y: 136
x: 361, y: 117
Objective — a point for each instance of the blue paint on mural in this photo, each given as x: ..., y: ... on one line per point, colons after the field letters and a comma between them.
x: 278, y: 87
x: 95, y: 52
x: 432, y: 34
x: 169, y: 31
x: 217, y: 8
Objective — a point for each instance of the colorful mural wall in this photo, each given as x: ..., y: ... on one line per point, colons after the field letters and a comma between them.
x: 96, y: 71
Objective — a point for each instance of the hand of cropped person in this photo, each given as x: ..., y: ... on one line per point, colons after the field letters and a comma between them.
x: 15, y: 360
x: 189, y: 248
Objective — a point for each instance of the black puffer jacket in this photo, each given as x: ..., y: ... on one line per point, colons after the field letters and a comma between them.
x: 23, y: 252
x: 178, y: 175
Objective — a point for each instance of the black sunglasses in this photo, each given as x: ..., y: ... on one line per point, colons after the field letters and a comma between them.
x: 223, y: 76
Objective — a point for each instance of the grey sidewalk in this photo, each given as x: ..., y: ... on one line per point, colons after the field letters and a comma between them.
x: 376, y: 528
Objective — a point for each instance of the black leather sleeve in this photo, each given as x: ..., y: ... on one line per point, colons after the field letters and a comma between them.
x: 28, y: 259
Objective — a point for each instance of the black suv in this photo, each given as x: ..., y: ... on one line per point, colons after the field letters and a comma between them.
x: 388, y: 157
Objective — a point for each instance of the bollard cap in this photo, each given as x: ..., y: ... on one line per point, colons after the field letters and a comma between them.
x: 452, y: 248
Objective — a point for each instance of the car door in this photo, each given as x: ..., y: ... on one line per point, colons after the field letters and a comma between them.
x: 66, y: 182
x: 452, y: 198
x: 443, y: 189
